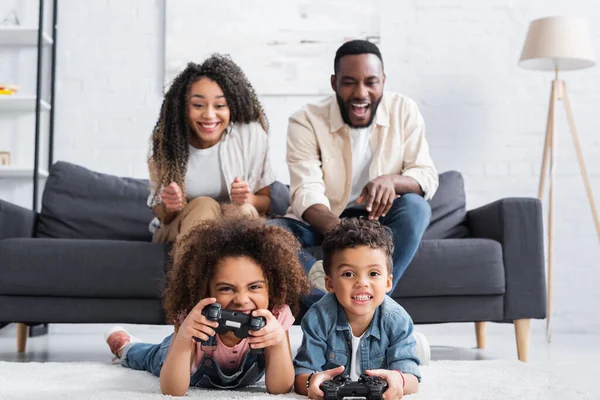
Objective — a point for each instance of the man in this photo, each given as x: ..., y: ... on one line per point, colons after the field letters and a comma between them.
x: 360, y: 152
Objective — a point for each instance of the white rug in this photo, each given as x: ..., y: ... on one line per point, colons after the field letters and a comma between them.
x: 465, y: 380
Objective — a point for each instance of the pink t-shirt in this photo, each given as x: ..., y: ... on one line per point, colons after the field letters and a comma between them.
x: 229, y: 358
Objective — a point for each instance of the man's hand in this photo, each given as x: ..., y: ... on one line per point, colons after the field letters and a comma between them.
x: 270, y: 335
x: 240, y: 192
x: 378, y: 195
x: 314, y: 391
x: 172, y: 197
x: 394, y: 380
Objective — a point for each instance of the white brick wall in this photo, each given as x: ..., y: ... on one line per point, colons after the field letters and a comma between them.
x: 456, y: 58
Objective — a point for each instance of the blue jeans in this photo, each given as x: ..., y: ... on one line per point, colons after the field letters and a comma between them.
x: 408, y: 218
x: 146, y: 356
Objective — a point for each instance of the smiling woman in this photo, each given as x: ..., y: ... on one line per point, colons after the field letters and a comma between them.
x: 209, y: 117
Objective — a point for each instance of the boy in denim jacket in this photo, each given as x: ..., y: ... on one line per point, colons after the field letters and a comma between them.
x: 356, y: 328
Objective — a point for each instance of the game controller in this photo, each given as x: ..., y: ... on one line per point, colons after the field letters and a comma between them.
x: 341, y: 386
x: 237, y: 322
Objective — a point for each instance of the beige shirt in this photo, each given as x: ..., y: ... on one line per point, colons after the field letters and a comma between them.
x: 244, y: 153
x: 319, y: 153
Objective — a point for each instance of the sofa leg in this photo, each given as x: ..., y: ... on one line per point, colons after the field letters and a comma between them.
x: 522, y: 335
x: 22, y: 333
x: 480, y: 333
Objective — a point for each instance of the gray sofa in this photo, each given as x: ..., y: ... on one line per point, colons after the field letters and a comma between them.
x: 87, y: 257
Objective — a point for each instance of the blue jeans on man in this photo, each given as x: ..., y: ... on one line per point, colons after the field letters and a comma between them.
x: 408, y: 218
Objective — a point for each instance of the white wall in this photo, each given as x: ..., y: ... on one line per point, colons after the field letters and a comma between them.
x: 456, y: 58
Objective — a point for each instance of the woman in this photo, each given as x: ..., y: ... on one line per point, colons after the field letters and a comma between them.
x: 209, y: 146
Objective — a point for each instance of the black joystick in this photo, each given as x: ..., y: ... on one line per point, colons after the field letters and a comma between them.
x: 237, y: 322
x: 341, y: 386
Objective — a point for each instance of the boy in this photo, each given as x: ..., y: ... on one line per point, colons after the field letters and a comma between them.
x: 356, y: 328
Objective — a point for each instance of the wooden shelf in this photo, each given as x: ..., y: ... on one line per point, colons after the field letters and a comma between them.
x: 15, y: 102
x: 13, y: 171
x: 21, y: 36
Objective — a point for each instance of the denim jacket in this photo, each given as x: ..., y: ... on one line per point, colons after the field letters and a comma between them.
x: 388, y: 343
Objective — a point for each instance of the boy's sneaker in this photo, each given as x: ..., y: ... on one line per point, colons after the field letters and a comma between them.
x: 316, y: 276
x: 117, y: 338
x: 422, y: 350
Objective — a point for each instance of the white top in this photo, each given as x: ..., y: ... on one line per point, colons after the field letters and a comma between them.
x: 362, y: 155
x: 244, y: 153
x: 201, y: 164
x: 355, y: 360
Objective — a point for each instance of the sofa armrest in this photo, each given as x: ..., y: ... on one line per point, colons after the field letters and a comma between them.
x: 518, y: 225
x: 15, y: 221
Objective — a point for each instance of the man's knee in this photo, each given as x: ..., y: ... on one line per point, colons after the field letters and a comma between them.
x: 281, y: 223
x: 411, y: 213
x: 416, y: 206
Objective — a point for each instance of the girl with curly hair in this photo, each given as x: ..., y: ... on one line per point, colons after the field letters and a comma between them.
x: 245, y: 266
x: 209, y: 146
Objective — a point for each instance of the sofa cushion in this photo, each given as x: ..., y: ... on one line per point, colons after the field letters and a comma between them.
x: 82, y: 268
x: 82, y: 204
x: 454, y: 267
x: 448, y: 208
x: 451, y: 267
x: 280, y: 198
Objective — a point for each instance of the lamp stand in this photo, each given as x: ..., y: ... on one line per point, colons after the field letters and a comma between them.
x: 559, y: 92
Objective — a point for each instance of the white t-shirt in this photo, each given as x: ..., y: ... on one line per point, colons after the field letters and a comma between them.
x: 362, y: 155
x: 204, y: 176
x: 355, y: 360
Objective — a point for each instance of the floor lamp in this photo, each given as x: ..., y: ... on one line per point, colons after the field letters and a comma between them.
x: 558, y: 44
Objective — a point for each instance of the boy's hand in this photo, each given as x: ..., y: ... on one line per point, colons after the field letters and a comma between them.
x: 172, y: 197
x: 271, y: 334
x: 240, y: 192
x: 394, y: 381
x: 314, y: 390
x: 196, y: 324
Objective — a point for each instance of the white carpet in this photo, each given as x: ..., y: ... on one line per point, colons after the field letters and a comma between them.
x: 465, y: 380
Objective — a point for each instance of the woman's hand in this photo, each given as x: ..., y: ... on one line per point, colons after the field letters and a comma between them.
x: 271, y: 334
x: 240, y: 192
x: 172, y: 197
x: 196, y: 324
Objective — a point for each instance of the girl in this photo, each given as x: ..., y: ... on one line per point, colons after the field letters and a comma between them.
x: 209, y: 146
x: 244, y: 266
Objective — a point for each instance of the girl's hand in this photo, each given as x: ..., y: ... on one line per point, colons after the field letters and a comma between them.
x: 196, y: 324
x: 394, y: 380
x: 172, y: 197
x: 240, y: 192
x: 271, y: 334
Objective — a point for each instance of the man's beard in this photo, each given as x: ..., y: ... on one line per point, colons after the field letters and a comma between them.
x: 346, y: 117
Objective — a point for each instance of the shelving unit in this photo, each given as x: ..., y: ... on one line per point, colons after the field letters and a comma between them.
x: 13, y: 171
x: 22, y: 36
x: 15, y: 37
x: 11, y: 103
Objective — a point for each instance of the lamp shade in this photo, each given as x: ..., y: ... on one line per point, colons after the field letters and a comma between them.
x: 558, y: 42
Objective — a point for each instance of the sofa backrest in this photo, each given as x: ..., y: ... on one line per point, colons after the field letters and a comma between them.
x: 81, y: 204
x: 448, y: 208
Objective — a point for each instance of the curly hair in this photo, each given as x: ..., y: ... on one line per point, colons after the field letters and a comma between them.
x: 169, y: 149
x: 273, y: 248
x: 354, y: 232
